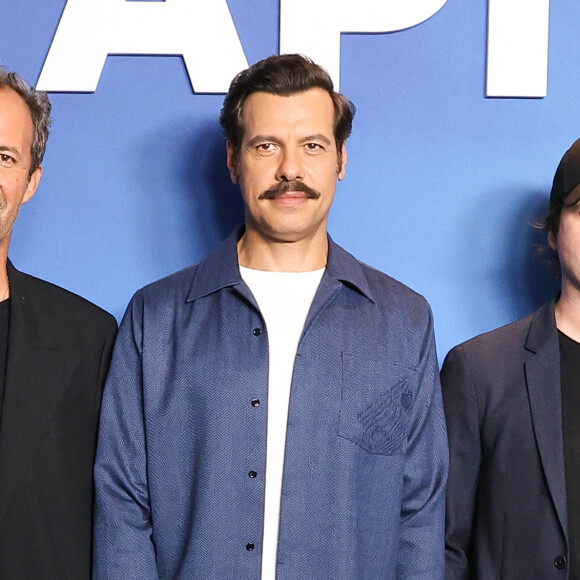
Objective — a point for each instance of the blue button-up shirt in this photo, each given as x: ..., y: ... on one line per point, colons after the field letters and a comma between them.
x: 183, y: 426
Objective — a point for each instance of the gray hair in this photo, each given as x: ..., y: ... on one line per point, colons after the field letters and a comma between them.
x: 39, y: 106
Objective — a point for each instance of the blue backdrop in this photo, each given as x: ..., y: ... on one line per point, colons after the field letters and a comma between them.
x: 441, y: 183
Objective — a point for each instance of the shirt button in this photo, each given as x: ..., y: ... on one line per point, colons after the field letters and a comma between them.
x: 255, y: 402
x: 250, y: 547
x: 257, y: 332
x: 253, y: 474
x: 560, y: 562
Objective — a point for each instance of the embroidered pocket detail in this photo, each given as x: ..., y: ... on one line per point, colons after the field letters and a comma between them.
x: 375, y: 405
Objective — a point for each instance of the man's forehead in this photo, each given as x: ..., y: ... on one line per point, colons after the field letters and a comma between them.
x: 13, y: 106
x: 16, y: 125
x: 313, y: 96
x: 9, y: 95
x: 310, y: 107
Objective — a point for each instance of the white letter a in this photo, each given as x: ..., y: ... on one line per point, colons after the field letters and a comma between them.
x: 202, y: 31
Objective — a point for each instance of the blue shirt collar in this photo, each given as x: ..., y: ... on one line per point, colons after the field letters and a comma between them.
x: 221, y: 269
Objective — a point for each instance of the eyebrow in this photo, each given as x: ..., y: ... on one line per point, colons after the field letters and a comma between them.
x: 262, y: 139
x: 317, y: 137
x: 8, y: 149
x: 271, y: 138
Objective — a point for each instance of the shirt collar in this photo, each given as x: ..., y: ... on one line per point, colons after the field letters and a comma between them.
x: 220, y: 269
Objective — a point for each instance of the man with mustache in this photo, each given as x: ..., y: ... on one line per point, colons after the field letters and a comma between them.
x: 275, y: 411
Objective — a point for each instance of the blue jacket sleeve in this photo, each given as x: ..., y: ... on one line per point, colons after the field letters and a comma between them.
x: 421, y: 544
x: 123, y: 542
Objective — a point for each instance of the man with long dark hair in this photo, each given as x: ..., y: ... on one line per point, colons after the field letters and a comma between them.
x: 512, y: 400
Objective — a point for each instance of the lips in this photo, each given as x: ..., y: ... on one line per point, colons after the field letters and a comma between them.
x: 291, y: 199
x: 292, y: 195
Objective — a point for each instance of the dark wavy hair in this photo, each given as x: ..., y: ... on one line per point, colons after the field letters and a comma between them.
x: 39, y: 106
x: 551, y: 225
x: 286, y: 74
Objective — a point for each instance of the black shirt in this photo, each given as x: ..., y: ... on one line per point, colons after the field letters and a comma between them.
x: 570, y: 384
x: 4, y: 328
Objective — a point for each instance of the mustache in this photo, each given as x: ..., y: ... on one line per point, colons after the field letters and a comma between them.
x: 286, y: 186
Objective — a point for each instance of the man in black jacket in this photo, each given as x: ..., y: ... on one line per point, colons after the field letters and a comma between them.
x: 54, y: 354
x: 512, y: 400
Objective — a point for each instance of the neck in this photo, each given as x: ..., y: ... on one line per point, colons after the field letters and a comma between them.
x: 4, y: 284
x: 274, y: 256
x: 568, y: 312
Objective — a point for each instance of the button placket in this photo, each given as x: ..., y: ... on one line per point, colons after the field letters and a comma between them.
x: 255, y: 402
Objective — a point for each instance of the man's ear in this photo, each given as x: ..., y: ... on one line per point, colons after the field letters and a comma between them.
x: 232, y: 162
x: 553, y: 241
x: 343, y: 160
x: 33, y: 182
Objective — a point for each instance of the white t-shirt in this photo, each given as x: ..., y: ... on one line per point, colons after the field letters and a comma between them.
x: 284, y: 299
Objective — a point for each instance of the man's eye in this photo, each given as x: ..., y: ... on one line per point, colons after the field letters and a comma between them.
x: 313, y: 146
x: 265, y: 146
x: 6, y: 159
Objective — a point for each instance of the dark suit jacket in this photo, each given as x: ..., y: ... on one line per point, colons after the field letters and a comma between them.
x: 58, y: 353
x: 506, y: 496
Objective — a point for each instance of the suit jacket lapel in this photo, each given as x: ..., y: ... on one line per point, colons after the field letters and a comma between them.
x: 30, y: 370
x: 542, y: 369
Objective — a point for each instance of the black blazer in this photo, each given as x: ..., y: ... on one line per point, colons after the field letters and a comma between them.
x: 59, y: 349
x: 506, y: 496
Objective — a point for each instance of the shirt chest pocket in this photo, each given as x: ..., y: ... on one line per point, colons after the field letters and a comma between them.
x: 375, y: 405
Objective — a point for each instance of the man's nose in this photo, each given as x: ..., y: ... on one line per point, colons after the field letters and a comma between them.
x: 290, y: 166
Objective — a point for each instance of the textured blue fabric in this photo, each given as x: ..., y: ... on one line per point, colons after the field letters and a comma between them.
x: 366, y: 450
